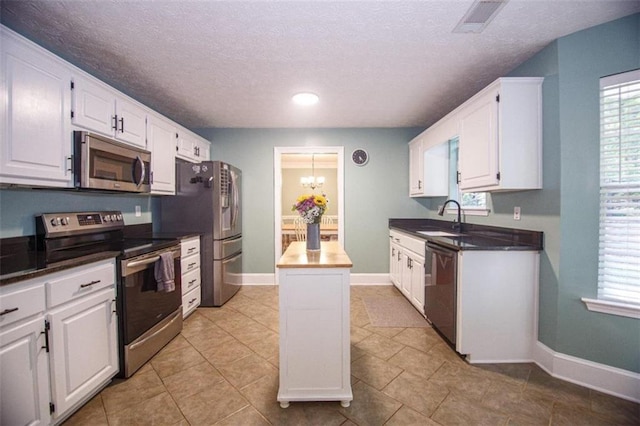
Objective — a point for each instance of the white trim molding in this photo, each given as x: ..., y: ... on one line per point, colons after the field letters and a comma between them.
x: 603, y: 378
x: 613, y: 308
x: 356, y: 279
x: 370, y: 279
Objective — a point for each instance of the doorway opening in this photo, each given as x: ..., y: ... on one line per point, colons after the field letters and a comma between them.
x: 292, y: 167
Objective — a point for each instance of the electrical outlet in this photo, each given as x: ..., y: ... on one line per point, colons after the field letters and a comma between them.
x: 516, y: 213
x: 138, y: 211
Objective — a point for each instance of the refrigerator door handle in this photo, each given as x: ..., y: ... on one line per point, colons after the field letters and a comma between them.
x: 236, y: 207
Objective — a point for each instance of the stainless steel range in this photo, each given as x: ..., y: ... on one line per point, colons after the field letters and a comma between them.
x: 149, y: 317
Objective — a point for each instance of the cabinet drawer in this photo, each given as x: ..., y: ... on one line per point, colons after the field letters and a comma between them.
x: 190, y: 246
x: 79, y: 282
x: 190, y: 280
x: 189, y: 263
x: 21, y: 303
x: 415, y: 245
x: 190, y: 301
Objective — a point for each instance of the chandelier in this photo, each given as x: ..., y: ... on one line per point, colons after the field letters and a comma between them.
x: 312, y: 181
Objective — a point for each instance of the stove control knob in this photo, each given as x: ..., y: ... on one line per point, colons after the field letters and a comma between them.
x: 55, y: 221
x: 113, y: 218
x: 119, y: 216
x: 107, y: 218
x: 65, y: 220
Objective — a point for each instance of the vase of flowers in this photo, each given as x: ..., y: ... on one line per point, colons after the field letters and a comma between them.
x: 311, y: 208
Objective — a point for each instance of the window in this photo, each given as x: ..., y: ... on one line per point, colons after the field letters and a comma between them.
x: 619, y: 244
x: 469, y: 201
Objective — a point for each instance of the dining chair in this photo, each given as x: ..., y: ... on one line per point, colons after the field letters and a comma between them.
x: 300, y: 229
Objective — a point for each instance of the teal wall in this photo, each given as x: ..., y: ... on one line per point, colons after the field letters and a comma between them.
x: 584, y: 57
x: 373, y: 193
x: 567, y: 207
x: 18, y: 207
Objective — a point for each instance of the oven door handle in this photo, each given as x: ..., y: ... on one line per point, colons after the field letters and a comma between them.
x: 143, y: 261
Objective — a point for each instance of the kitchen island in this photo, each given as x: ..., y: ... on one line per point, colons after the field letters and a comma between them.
x: 315, y: 353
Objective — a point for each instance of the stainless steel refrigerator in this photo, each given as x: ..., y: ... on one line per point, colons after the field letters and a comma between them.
x: 208, y: 201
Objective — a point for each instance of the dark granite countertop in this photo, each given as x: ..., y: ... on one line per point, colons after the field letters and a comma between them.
x: 19, y: 259
x: 472, y: 236
x: 35, y: 271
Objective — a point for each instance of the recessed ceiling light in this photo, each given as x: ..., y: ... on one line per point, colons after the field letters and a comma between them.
x: 305, y: 98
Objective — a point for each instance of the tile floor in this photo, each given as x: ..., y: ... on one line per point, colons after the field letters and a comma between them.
x: 223, y: 370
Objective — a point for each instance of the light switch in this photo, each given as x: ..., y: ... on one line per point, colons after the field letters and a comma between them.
x: 138, y: 211
x: 516, y: 213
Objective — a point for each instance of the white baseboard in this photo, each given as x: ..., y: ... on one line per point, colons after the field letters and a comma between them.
x: 370, y: 279
x: 603, y: 378
x: 356, y: 279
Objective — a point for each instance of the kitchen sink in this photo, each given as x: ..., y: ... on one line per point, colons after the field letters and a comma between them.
x: 438, y: 234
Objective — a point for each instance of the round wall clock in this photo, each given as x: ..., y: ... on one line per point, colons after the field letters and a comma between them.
x: 360, y: 157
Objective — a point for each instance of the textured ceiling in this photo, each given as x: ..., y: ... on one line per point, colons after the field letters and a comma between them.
x: 237, y: 63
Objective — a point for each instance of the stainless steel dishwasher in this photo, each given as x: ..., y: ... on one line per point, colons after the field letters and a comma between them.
x: 441, y: 287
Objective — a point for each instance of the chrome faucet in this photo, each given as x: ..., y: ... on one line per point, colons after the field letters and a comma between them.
x: 457, y: 226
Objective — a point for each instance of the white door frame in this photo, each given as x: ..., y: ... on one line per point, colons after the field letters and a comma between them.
x: 277, y: 190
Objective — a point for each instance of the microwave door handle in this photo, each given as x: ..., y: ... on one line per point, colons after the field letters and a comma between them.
x: 143, y: 171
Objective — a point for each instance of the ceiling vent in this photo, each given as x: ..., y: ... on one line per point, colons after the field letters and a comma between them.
x: 479, y: 15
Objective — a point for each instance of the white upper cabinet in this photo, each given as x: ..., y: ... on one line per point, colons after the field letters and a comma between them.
x: 192, y: 148
x: 429, y: 160
x: 416, y: 167
x: 101, y: 109
x: 161, y: 141
x: 501, y: 137
x: 35, y: 135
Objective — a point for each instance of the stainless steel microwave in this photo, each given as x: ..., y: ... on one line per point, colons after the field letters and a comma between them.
x: 102, y: 163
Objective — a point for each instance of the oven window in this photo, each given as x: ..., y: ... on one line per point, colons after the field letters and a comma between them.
x: 143, y: 306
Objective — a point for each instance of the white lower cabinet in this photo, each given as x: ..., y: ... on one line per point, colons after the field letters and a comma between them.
x: 84, y: 353
x: 497, y: 305
x: 406, y: 267
x: 190, y: 266
x: 24, y: 373
x: 58, y: 343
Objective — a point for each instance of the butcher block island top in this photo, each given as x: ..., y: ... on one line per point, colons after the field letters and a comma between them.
x: 331, y: 255
x: 315, y: 351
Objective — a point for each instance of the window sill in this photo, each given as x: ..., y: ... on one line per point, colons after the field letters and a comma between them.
x: 613, y: 308
x: 470, y: 212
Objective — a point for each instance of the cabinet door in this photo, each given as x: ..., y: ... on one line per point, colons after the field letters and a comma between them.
x: 394, y: 265
x: 202, y: 150
x: 24, y: 375
x: 35, y: 135
x: 93, y: 106
x: 161, y: 137
x: 416, y: 164
x: 131, y: 123
x: 186, y: 146
x: 417, y: 283
x: 405, y: 274
x: 479, y: 154
x: 84, y: 348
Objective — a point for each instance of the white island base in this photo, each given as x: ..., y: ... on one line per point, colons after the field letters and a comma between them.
x: 315, y: 352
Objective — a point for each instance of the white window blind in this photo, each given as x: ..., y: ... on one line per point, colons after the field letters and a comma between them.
x: 619, y: 248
